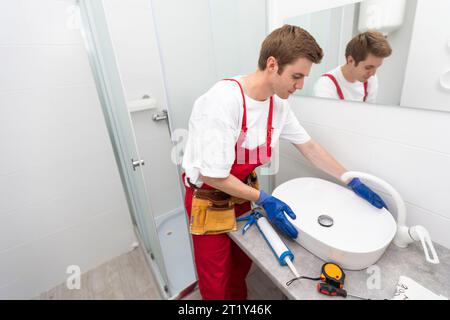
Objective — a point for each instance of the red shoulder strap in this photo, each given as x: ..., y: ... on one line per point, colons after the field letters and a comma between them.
x: 366, y: 92
x: 269, y: 118
x: 338, y: 87
x: 244, y: 117
x: 269, y: 129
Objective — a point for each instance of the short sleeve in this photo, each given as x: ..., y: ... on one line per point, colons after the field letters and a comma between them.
x: 292, y: 131
x: 373, y: 90
x: 325, y: 88
x: 212, y: 137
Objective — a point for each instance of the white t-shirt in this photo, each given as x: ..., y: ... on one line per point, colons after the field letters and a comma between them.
x: 325, y: 88
x: 215, y: 125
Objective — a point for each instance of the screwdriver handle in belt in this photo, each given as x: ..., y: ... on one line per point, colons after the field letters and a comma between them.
x: 329, y: 290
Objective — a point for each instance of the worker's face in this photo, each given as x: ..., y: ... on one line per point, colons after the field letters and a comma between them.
x: 366, y: 68
x: 292, y: 77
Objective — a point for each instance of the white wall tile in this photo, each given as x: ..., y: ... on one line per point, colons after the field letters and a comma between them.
x: 49, y: 182
x: 287, y: 149
x: 39, y: 22
x: 348, y: 148
x: 61, y: 198
x: 350, y: 116
x: 420, y: 176
x: 71, y: 116
x: 25, y: 271
x: 436, y: 225
x: 291, y: 169
x: 31, y: 67
x: 31, y: 222
x: 415, y: 127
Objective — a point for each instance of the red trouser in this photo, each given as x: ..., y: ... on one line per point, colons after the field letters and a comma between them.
x: 221, y: 265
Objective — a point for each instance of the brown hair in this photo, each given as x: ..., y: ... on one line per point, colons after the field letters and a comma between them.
x: 287, y: 44
x: 368, y: 42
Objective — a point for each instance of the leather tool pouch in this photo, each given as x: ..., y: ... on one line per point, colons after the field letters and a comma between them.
x: 212, y: 213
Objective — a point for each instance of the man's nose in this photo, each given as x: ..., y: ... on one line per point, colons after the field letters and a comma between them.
x: 299, y: 84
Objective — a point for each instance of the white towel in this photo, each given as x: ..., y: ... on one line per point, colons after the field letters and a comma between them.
x: 408, y: 289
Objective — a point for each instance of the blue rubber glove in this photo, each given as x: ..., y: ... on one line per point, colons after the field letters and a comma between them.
x: 276, y: 210
x: 366, y: 193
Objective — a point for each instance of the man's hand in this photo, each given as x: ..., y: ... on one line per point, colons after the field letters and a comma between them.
x: 366, y: 193
x: 276, y: 210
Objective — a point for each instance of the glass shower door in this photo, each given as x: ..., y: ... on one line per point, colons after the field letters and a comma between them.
x: 219, y: 38
x: 111, y: 95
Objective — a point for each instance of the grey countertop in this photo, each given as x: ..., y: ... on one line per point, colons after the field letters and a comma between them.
x: 394, y: 263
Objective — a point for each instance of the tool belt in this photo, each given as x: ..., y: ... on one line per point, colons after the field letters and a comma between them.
x: 212, y: 210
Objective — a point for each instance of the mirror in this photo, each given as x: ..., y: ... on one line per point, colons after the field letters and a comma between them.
x: 335, y: 28
x: 407, y: 29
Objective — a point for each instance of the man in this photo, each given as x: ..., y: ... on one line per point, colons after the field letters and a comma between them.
x: 356, y: 80
x: 232, y: 130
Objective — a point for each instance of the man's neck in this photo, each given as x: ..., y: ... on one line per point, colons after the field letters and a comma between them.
x: 256, y: 86
x: 346, y: 72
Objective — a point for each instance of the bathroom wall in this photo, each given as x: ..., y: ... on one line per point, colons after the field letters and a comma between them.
x: 61, y: 198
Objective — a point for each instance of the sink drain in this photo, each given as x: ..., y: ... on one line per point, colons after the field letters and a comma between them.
x: 325, y: 221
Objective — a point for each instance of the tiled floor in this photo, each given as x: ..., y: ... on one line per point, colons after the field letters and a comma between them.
x: 129, y: 277
x: 125, y: 277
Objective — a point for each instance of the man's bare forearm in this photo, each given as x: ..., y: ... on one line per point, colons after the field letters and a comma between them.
x: 233, y: 186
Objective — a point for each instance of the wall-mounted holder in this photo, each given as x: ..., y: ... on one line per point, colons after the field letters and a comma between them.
x: 146, y: 103
x: 444, y: 80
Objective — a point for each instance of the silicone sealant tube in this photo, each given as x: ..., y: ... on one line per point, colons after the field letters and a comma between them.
x: 279, y: 248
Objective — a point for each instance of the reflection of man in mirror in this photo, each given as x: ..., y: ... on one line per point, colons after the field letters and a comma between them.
x: 356, y: 80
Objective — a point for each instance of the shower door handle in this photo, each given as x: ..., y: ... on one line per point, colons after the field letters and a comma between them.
x: 163, y: 116
x: 136, y: 163
x: 159, y: 117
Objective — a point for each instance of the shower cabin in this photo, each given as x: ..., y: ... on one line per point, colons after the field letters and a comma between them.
x: 151, y: 59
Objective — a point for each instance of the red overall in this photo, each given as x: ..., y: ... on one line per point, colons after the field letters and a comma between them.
x: 339, y: 90
x: 221, y: 265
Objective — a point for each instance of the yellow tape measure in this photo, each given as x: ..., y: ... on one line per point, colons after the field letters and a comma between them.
x: 333, y: 274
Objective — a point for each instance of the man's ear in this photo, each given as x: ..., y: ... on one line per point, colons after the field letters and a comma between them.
x: 272, y: 64
x: 350, y: 60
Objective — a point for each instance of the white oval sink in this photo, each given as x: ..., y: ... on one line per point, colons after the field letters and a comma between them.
x: 360, y: 233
